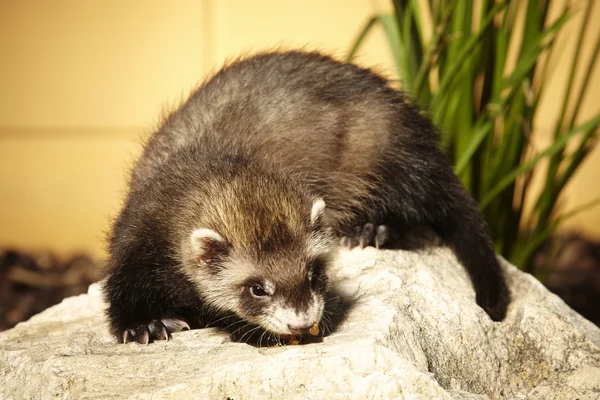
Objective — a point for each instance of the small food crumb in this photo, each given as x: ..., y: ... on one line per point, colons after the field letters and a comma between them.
x: 294, y: 341
x: 314, y: 330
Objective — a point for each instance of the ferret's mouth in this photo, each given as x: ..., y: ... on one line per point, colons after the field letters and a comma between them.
x: 258, y: 335
x: 302, y: 338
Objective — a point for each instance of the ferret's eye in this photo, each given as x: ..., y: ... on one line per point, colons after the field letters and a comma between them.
x: 257, y: 291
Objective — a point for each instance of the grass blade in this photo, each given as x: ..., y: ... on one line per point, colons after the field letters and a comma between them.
x: 553, y: 149
x: 459, y: 61
x: 358, y: 42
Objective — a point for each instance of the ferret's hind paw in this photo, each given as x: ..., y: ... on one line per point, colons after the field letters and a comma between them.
x: 154, y: 330
x: 366, y: 235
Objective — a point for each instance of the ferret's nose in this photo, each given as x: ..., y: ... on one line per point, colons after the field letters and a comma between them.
x: 299, y: 329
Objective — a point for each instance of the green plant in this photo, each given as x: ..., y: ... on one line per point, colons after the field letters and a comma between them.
x: 457, y: 67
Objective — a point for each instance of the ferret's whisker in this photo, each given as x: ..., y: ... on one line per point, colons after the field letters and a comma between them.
x: 249, y: 332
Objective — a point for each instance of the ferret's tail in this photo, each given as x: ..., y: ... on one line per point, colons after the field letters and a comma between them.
x: 465, y: 232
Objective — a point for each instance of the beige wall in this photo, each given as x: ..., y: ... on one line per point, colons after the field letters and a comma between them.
x: 585, y: 187
x: 82, y: 81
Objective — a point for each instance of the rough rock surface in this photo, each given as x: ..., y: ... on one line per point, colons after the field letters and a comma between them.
x: 413, y: 331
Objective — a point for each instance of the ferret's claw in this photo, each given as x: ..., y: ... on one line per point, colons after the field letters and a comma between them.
x: 127, y: 336
x: 142, y: 335
x: 382, y: 236
x: 154, y: 330
x: 175, y: 325
x: 367, y: 235
x: 158, y: 331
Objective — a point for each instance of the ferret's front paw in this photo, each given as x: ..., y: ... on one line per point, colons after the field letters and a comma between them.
x: 366, y: 235
x: 154, y: 330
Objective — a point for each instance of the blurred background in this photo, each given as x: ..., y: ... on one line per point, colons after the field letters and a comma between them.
x: 82, y: 83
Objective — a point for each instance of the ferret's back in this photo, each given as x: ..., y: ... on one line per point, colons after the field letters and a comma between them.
x: 303, y: 110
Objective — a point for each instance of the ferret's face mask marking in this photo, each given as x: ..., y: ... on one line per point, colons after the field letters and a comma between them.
x: 286, y: 307
x: 282, y: 291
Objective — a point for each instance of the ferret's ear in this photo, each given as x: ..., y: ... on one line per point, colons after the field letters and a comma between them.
x: 207, y: 245
x: 317, y: 210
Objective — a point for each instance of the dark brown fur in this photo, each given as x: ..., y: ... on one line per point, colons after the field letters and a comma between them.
x: 278, y: 130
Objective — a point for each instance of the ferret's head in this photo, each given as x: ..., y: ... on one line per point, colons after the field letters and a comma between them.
x: 263, y: 259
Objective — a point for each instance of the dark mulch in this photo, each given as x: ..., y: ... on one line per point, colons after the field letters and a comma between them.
x: 30, y: 282
x: 569, y: 265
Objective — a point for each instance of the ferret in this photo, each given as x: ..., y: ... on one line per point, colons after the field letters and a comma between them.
x: 241, y: 198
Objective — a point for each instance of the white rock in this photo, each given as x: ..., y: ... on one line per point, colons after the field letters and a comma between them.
x: 413, y: 332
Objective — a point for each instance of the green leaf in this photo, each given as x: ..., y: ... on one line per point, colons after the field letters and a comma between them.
x: 556, y: 147
x: 358, y: 42
x: 537, y: 45
x: 459, y: 61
